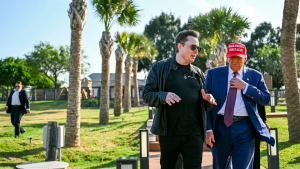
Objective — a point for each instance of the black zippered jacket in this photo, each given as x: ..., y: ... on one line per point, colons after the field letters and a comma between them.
x: 154, y: 94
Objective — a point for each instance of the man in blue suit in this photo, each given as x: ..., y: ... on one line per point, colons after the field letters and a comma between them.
x: 234, y: 123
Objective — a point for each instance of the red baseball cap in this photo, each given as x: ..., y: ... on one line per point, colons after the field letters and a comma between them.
x: 236, y: 49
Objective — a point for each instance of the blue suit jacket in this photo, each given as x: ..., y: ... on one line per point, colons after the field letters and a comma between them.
x: 257, y: 92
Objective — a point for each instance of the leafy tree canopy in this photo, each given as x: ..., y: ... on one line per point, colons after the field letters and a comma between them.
x: 46, y: 60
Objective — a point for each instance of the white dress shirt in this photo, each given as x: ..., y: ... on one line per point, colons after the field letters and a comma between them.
x: 239, y: 108
x: 15, y: 100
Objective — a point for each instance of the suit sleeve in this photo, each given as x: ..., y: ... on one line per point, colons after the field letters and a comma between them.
x: 8, y: 103
x: 259, y: 93
x: 151, y: 94
x: 27, y: 102
x: 208, y: 88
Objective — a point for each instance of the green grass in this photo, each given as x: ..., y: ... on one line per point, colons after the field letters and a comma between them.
x: 99, y: 145
x: 289, y: 154
x: 278, y: 108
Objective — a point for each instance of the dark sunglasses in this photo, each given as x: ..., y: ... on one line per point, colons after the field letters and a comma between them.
x: 17, y: 86
x: 193, y: 47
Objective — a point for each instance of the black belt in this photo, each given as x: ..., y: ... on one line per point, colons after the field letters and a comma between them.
x: 16, y: 105
x: 235, y: 118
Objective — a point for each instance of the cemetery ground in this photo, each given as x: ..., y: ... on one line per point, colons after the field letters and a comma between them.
x: 101, y: 145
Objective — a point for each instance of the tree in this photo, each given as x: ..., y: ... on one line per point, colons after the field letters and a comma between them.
x: 272, y: 63
x: 129, y: 49
x: 125, y: 13
x: 77, y: 14
x: 263, y: 34
x: 220, y: 25
x: 13, y: 70
x: 48, y: 60
x: 162, y: 31
x: 121, y: 39
x: 288, y: 59
x: 143, y: 48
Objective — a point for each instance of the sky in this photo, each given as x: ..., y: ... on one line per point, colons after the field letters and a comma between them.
x: 25, y: 23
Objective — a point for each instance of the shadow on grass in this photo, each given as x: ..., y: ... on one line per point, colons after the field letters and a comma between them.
x: 12, y: 165
x: 22, y: 153
x: 281, y: 146
x: 295, y: 161
x: 112, y: 164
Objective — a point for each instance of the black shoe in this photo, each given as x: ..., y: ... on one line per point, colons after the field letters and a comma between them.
x: 16, y: 136
x: 22, y: 131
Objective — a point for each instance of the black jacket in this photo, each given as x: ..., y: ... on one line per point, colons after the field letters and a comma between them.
x: 24, y: 100
x: 154, y: 94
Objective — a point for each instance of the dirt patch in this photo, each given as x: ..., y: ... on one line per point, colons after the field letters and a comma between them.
x: 17, y: 160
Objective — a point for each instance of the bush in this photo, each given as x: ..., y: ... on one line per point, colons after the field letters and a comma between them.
x: 93, y: 102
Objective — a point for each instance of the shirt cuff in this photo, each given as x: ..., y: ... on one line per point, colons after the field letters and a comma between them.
x: 208, y: 131
x: 6, y: 106
x: 245, y: 90
x: 27, y: 109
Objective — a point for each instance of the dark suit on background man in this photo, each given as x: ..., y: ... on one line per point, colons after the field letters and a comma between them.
x: 233, y: 141
x: 262, y: 113
x: 17, y: 105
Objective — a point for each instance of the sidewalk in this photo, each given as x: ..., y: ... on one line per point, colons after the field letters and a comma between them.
x: 206, y: 160
x: 155, y: 156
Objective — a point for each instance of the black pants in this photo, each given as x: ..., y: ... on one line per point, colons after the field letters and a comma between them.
x: 256, y: 162
x: 190, y: 147
x: 16, y: 115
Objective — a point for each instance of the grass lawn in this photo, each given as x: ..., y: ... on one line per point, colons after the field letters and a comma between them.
x: 99, y: 145
x: 289, y: 153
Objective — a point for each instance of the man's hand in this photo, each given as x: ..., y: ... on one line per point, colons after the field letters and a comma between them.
x: 172, y: 98
x: 210, y: 138
x: 208, y: 97
x: 5, y: 108
x: 237, y: 83
x: 28, y: 111
x: 268, y: 127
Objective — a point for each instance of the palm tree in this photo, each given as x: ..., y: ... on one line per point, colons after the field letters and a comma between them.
x: 118, y: 90
x: 143, y: 48
x: 125, y: 13
x: 288, y: 59
x: 220, y: 25
x: 77, y: 15
x: 129, y: 49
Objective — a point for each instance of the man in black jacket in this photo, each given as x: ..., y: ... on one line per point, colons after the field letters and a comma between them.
x: 17, y: 105
x: 177, y: 89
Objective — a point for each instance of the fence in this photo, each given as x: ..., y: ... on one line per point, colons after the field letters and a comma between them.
x: 45, y: 94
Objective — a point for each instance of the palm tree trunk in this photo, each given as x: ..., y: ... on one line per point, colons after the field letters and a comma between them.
x: 77, y: 22
x: 127, y: 93
x: 74, y: 98
x: 288, y: 59
x: 106, y: 45
x: 135, y: 81
x: 118, y: 82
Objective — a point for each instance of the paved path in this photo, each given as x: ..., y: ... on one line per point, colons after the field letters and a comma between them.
x: 206, y: 160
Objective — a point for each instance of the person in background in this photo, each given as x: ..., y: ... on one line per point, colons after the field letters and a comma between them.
x: 17, y: 105
x: 262, y: 113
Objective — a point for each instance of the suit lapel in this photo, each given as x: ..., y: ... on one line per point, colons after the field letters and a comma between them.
x: 223, y: 78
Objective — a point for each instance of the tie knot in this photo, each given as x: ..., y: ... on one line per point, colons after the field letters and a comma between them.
x: 235, y: 73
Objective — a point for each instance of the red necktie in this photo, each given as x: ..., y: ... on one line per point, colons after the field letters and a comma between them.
x: 230, y: 103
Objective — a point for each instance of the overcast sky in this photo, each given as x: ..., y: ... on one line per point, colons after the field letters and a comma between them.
x: 25, y: 23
